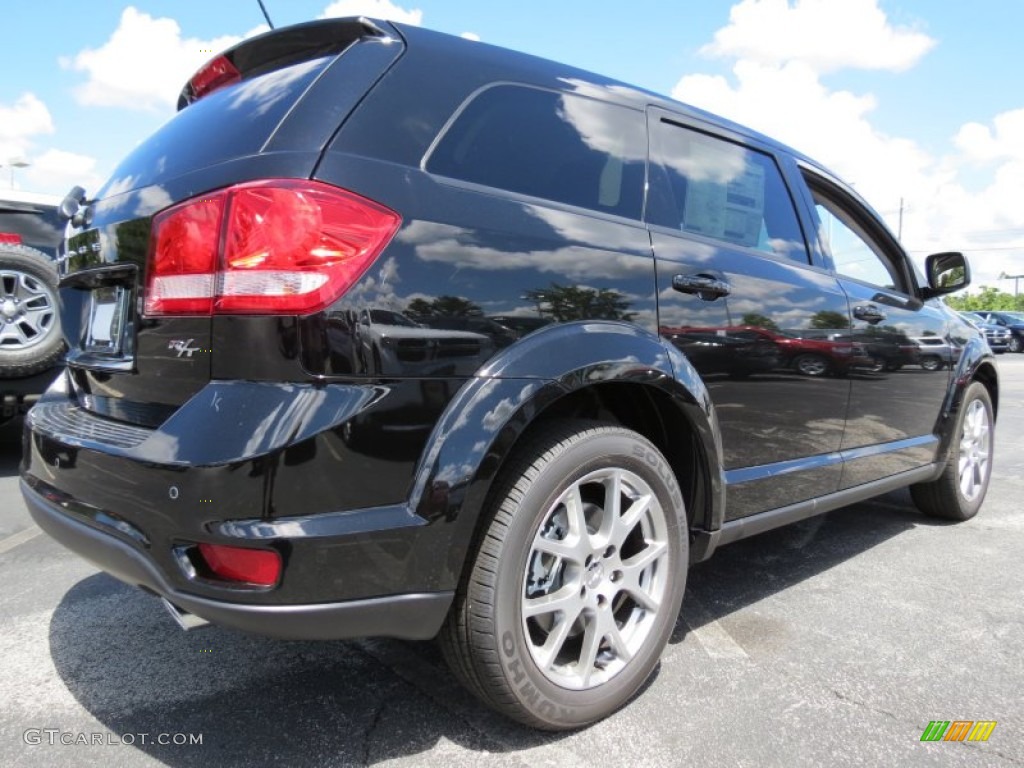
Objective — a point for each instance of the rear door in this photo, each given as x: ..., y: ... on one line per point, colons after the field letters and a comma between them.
x: 894, y: 409
x: 733, y: 268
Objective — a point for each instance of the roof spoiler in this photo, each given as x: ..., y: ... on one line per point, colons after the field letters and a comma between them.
x: 280, y: 48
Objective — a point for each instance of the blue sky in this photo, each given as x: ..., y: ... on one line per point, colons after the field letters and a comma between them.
x: 910, y: 100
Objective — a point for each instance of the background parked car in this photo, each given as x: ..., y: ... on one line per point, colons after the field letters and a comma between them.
x: 937, y: 352
x: 391, y: 343
x: 30, y: 339
x: 1003, y: 330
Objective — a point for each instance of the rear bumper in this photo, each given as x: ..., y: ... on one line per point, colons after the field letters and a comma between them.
x: 416, y: 616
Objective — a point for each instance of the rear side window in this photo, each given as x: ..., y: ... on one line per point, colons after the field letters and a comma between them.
x: 708, y: 186
x: 557, y: 146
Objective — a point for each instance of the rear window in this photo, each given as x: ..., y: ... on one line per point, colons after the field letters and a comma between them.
x: 232, y: 122
x: 556, y: 146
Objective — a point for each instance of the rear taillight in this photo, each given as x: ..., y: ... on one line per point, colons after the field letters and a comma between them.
x: 216, y: 73
x: 9, y: 238
x: 247, y: 566
x: 267, y: 247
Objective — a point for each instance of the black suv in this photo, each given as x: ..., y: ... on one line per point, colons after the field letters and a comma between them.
x: 223, y: 440
x: 31, y: 345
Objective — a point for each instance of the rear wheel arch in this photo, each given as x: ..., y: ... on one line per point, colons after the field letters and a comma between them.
x: 645, y: 389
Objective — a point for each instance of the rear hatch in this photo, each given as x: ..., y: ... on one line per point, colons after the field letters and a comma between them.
x: 145, y: 276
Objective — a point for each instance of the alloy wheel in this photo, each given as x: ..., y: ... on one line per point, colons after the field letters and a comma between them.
x: 596, y: 576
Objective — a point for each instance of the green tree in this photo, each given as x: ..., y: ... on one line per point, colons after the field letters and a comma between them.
x: 987, y: 298
x: 758, y: 320
x: 449, y: 306
x: 826, y: 318
x: 570, y: 302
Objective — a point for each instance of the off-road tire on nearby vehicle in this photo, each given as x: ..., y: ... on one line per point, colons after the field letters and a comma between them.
x: 959, y: 491
x: 30, y: 338
x: 1015, y: 344
x: 811, y: 365
x: 497, y: 626
x: 932, y: 363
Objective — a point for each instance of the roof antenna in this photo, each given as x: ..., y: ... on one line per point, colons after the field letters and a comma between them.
x: 265, y: 14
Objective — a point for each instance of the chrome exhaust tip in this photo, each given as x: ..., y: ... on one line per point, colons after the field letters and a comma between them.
x: 184, y: 619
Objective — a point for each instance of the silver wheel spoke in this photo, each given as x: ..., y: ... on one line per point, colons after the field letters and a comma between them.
x: 566, y: 599
x: 548, y: 652
x: 573, y: 502
x: 634, y: 569
x: 570, y: 548
x: 588, y: 653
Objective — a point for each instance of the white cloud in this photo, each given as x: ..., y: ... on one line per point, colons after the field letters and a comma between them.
x: 1004, y: 140
x: 826, y: 34
x: 471, y: 36
x: 19, y: 122
x: 790, y: 103
x: 379, y: 9
x: 56, y: 171
x: 144, y: 64
x: 968, y: 198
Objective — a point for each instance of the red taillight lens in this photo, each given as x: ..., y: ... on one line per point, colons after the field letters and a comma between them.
x: 184, y: 244
x: 248, y: 566
x: 9, y: 238
x: 264, y: 247
x: 216, y: 73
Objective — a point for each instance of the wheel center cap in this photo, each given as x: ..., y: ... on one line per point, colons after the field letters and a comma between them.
x: 9, y: 309
x: 595, y: 575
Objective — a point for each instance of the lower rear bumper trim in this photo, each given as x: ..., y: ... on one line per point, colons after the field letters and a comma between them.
x: 415, y: 616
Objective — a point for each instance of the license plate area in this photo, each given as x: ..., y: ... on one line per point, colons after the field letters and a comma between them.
x: 107, y: 318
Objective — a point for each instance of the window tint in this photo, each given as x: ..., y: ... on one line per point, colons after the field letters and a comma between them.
x: 557, y: 146
x: 854, y: 254
x: 712, y: 187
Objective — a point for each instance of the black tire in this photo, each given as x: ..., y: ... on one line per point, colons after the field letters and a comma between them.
x: 932, y: 363
x: 489, y: 641
x: 1015, y: 344
x: 811, y: 365
x: 30, y: 337
x: 959, y: 491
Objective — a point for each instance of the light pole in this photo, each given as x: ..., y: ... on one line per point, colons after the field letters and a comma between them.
x: 1015, y: 278
x: 16, y: 163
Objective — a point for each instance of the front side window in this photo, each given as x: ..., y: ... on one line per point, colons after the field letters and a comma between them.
x: 854, y: 252
x: 708, y: 186
x: 556, y: 146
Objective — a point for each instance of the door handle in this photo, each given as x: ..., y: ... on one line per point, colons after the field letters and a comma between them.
x: 869, y: 313
x: 704, y: 286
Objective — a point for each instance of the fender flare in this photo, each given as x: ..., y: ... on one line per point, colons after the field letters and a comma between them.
x: 482, y: 424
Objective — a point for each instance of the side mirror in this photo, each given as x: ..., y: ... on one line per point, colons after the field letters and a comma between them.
x: 947, y: 272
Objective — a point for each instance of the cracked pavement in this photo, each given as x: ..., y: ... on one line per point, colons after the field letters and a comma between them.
x: 831, y: 642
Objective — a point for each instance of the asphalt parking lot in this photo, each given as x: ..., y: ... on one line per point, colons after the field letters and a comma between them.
x: 830, y: 642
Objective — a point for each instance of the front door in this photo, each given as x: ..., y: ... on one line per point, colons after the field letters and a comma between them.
x: 894, y: 405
